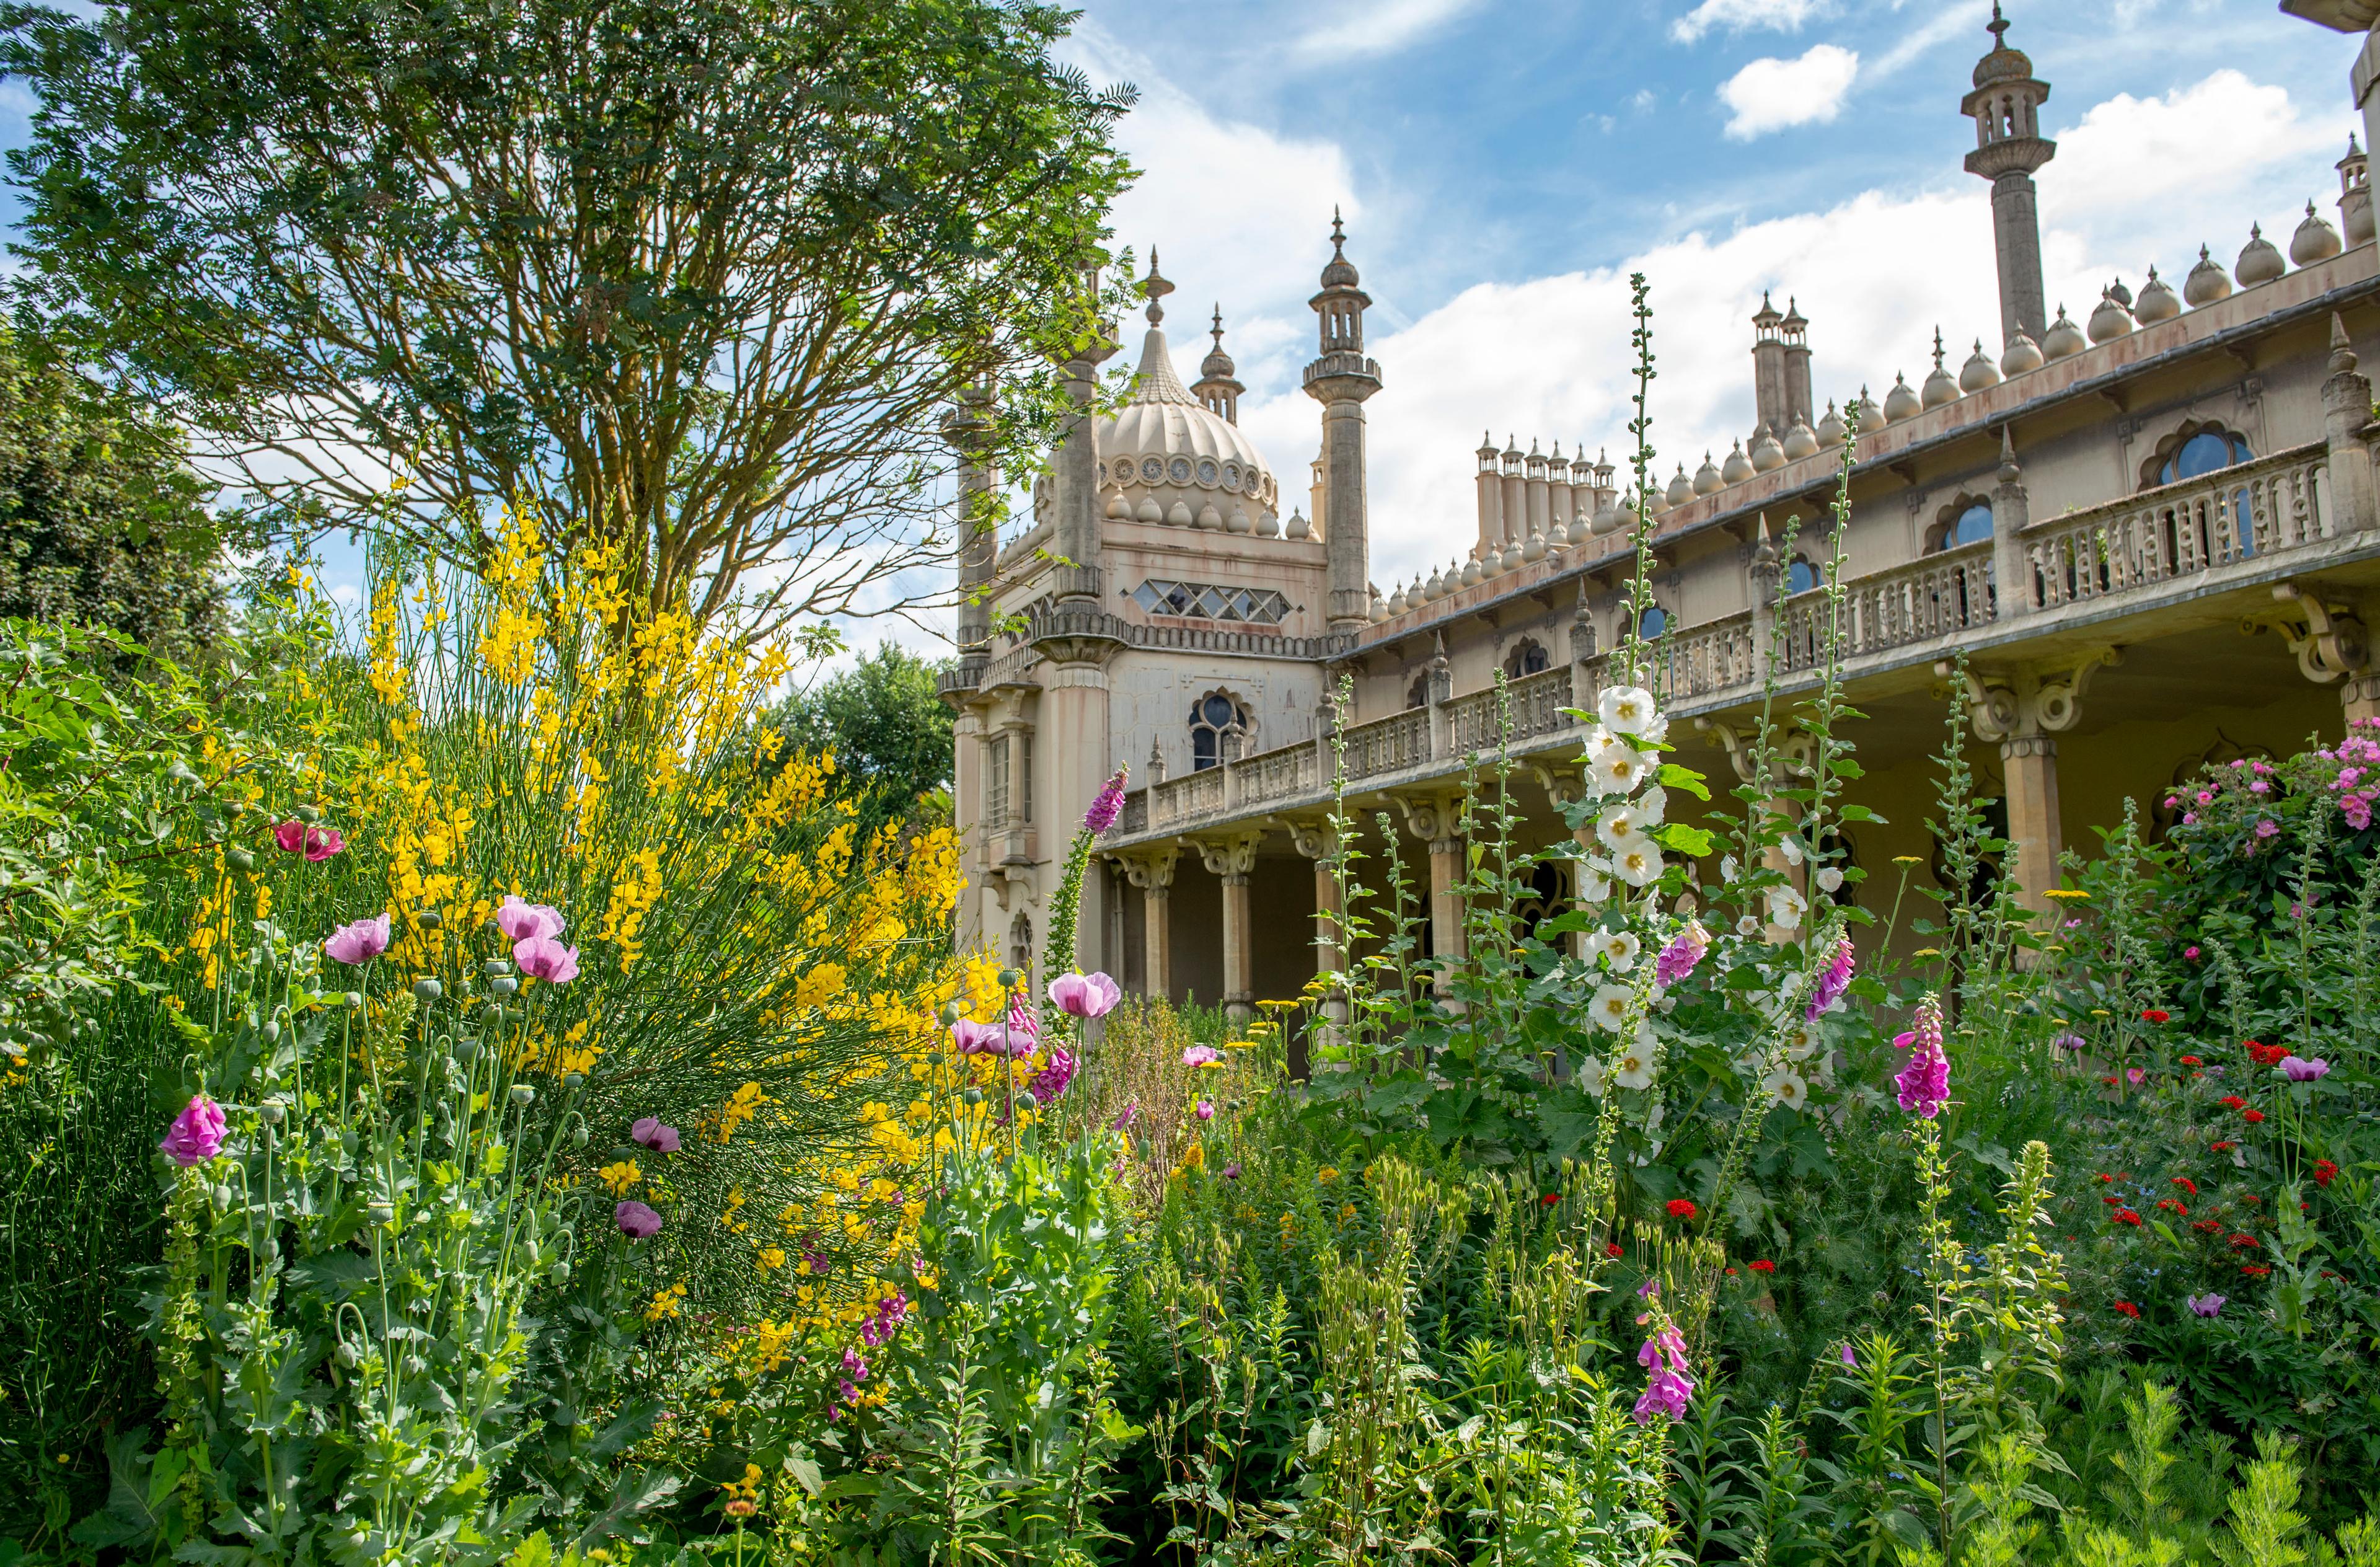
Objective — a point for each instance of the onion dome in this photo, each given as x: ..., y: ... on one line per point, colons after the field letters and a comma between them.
x: 1900, y: 403
x: 1978, y: 373
x: 1118, y: 508
x: 2110, y: 319
x: 1941, y: 386
x: 1397, y: 602
x: 1340, y: 271
x: 1871, y: 418
x: 1608, y: 516
x: 2121, y: 295
x: 2157, y: 301
x: 1801, y: 441
x: 2259, y: 260
x: 2003, y: 64
x: 1510, y: 559
x: 2064, y: 339
x: 1435, y: 589
x: 1767, y: 452
x: 1681, y: 489
x: 2207, y: 282
x: 2315, y: 240
x: 1472, y: 573
x: 1298, y: 526
x: 1266, y: 526
x: 2021, y: 355
x: 1831, y: 426
x: 1180, y: 515
x: 1149, y: 510
x: 1211, y: 519
x: 1379, y: 605
x: 1535, y: 549
x: 1217, y: 365
x: 1738, y: 467
x: 1707, y: 478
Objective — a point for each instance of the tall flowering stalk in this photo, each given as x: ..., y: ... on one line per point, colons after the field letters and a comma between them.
x: 1058, y: 954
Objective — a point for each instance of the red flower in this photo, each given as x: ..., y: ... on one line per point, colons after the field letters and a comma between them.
x: 1550, y: 1198
x: 2105, y: 1177
x: 1763, y: 1266
x: 2109, y: 1081
x: 2172, y: 1205
x: 2129, y: 1310
x: 2209, y: 1225
x: 2252, y: 1117
x: 2113, y: 1202
x: 2222, y: 1147
x: 2125, y: 1216
x: 1731, y: 1272
x: 1682, y: 1209
x: 2325, y: 1172
x: 2254, y: 1271
x: 2233, y: 1101
x: 1611, y: 1248
x: 2191, y: 1060
x: 2154, y: 1015
x: 2186, y: 1184
x: 2250, y: 1197
x: 2245, y: 1242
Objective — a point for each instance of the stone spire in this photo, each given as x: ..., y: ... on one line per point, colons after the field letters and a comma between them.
x: 1075, y: 466
x: 2005, y: 107
x: 1218, y: 387
x: 1339, y: 378
x: 1768, y: 394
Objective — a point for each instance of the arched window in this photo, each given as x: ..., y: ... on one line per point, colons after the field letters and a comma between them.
x: 1800, y: 575
x: 1212, y: 717
x: 1417, y: 694
x: 2193, y: 451
x: 1526, y: 658
x: 1967, y: 520
x: 1654, y: 621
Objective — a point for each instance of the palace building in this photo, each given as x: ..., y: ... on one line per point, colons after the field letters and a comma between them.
x: 2152, y: 533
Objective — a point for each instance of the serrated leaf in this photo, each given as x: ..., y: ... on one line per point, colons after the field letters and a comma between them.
x: 1673, y: 776
x: 1689, y: 840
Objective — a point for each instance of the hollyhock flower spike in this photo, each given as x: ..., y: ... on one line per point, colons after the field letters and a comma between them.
x: 520, y: 920
x: 359, y: 942
x: 1924, y: 1084
x: 635, y: 1221
x: 542, y: 957
x: 1085, y: 995
x: 654, y: 1133
x: 2301, y: 1071
x: 1106, y: 805
x: 196, y: 1135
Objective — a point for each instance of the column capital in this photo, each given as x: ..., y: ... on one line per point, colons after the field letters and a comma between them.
x: 1435, y: 816
x: 1234, y: 855
x: 1150, y: 869
x: 1312, y: 837
x: 2030, y: 702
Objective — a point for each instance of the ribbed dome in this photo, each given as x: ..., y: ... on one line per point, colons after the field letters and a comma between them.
x: 1165, y: 448
x: 1801, y: 441
x: 1707, y: 478
x: 2110, y: 319
x: 2259, y: 260
x: 1681, y: 489
x: 1871, y: 418
x: 2315, y: 240
x: 1978, y: 373
x: 1738, y: 467
x: 2207, y: 282
x: 1339, y: 272
x: 2021, y: 355
x: 1831, y: 426
x: 2157, y: 301
x: 2064, y: 339
x: 1900, y: 403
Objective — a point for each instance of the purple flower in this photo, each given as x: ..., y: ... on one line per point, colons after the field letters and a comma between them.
x: 196, y: 1135
x: 1649, y: 1288
x: 1052, y: 1080
x: 2267, y: 828
x: 2208, y: 1305
x: 520, y: 920
x: 359, y: 942
x: 2301, y: 1071
x: 1085, y: 995
x: 1925, y: 1082
x: 1232, y: 1170
x: 1668, y: 1389
x: 1849, y: 1358
x: 970, y: 1038
x: 1205, y: 1110
x: 1831, y: 983
x: 1105, y: 807
x: 1201, y: 1055
x: 2069, y: 1041
x: 1678, y: 959
x: 542, y: 957
x: 1125, y: 1117
x: 1023, y: 1029
x: 317, y: 844
x: 655, y: 1134
x: 635, y: 1221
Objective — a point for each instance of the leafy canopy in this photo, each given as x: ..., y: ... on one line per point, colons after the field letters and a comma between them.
x: 694, y: 281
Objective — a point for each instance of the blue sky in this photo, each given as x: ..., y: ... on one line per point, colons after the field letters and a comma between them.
x: 1504, y: 163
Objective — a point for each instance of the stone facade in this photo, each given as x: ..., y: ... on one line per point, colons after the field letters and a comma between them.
x: 2155, y: 543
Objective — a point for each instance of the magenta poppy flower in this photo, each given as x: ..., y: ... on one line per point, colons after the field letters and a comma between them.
x: 1085, y: 995
x: 1202, y: 1056
x: 519, y: 922
x: 654, y: 1133
x: 290, y: 836
x: 359, y: 942
x: 322, y: 842
x: 2301, y: 1071
x: 1206, y: 1110
x: 2208, y: 1305
x: 542, y: 957
x: 196, y: 1135
x: 970, y: 1038
x: 635, y: 1221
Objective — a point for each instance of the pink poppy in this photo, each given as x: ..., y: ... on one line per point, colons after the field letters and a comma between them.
x: 520, y: 920
x: 654, y: 1133
x: 542, y: 957
x: 1085, y: 995
x: 635, y: 1221
x: 359, y: 942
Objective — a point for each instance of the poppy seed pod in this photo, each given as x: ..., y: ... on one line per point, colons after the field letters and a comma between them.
x: 426, y: 989
x: 428, y: 918
x: 240, y: 859
x: 522, y: 1094
x: 503, y: 984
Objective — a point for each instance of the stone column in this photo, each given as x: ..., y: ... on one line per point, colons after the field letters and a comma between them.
x: 1233, y: 860
x: 966, y: 820
x: 1151, y: 871
x: 1760, y: 581
x: 1316, y: 840
x: 2021, y: 710
x: 1564, y: 787
x: 1437, y: 820
x: 2012, y: 569
x: 2346, y: 410
x: 2358, y: 699
x: 1340, y: 378
x: 1491, y: 498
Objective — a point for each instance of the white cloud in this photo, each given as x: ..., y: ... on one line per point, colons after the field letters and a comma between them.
x: 1379, y: 27
x: 1949, y: 21
x: 1771, y: 94
x: 1741, y: 15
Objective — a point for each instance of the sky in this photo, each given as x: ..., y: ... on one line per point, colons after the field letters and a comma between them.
x: 1503, y: 165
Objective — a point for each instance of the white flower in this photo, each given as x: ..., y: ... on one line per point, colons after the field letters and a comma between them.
x: 1799, y: 1042
x: 1589, y: 1073
x: 1610, y: 1006
x: 1594, y: 883
x: 1790, y: 847
x: 1824, y: 1069
x: 1627, y: 710
x: 1617, y: 948
x: 1633, y: 1068
x: 1728, y: 869
x: 1787, y: 1088
x: 1653, y: 805
x: 1637, y: 861
x: 1618, y: 823
x: 1830, y: 879
x: 1786, y: 908
x: 1747, y: 926
x: 1616, y: 767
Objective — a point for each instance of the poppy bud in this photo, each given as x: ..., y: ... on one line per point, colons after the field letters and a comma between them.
x: 1025, y: 1100
x: 578, y: 1135
x: 972, y: 1097
x: 572, y: 1080
x: 503, y: 984
x: 272, y: 1111
x: 428, y: 918
x: 560, y: 1273
x: 426, y: 989
x: 240, y: 859
x: 310, y: 813
x: 355, y: 1001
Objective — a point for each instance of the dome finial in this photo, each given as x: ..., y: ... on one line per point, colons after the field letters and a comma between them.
x: 1216, y: 330
x: 1997, y: 27
x: 1154, y: 287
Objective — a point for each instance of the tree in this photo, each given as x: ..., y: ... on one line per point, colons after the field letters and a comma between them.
x: 102, y: 523
x: 890, y: 733
x: 693, y: 280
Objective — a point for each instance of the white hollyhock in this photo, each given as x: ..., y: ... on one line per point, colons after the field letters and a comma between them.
x: 1786, y: 908
x: 1633, y: 1068
x: 1590, y: 1075
x: 1595, y: 884
x: 1790, y: 847
x: 1637, y: 861
x: 1627, y: 710
x: 1610, y: 1007
x: 1728, y: 870
x: 1616, y: 767
x: 1617, y: 948
x: 1787, y: 1088
x: 1830, y: 879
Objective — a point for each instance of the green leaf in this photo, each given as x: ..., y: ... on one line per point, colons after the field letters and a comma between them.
x: 1673, y: 776
x: 1685, y: 839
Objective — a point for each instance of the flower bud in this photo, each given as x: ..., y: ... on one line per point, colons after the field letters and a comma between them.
x: 272, y: 1111
x: 503, y: 984
x: 240, y: 859
x: 1011, y: 977
x: 572, y: 1079
x: 951, y: 1013
x: 425, y: 988
x: 972, y: 1097
x: 522, y: 1094
x: 271, y: 1030
x: 578, y: 1135
x: 428, y: 918
x: 560, y: 1274
x: 381, y: 1213
x: 355, y: 1001
x: 495, y: 965
x: 1026, y: 1102
x: 310, y: 813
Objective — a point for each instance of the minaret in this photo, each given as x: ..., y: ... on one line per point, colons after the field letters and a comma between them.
x: 2005, y: 107
x: 1796, y: 328
x: 1768, y: 369
x: 966, y: 428
x: 1216, y: 387
x: 1075, y: 466
x: 1339, y: 378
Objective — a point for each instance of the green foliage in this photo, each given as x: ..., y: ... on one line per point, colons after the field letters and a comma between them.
x: 889, y: 734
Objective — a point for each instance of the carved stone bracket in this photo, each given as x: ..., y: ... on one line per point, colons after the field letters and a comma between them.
x: 1310, y: 836
x: 1797, y: 749
x: 2017, y: 705
x: 1233, y: 854
x: 1563, y: 783
x: 1435, y: 817
x: 2326, y: 637
x: 1152, y: 868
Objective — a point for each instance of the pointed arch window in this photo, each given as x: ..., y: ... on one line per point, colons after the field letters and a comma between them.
x: 1528, y: 657
x: 1219, y: 730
